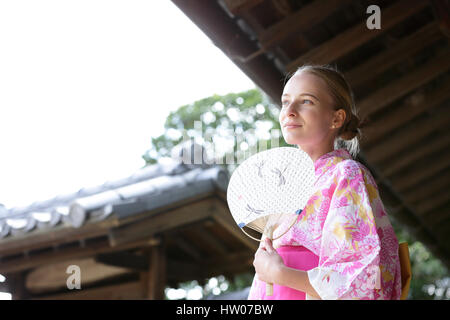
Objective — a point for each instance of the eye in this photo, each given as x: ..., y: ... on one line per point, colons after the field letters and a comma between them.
x: 307, y: 101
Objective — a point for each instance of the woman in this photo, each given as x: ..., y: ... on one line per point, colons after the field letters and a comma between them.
x: 343, y: 245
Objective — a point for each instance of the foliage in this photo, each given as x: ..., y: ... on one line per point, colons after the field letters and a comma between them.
x: 238, y: 122
x: 430, y: 278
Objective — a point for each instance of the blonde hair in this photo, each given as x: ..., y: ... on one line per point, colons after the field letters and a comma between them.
x: 349, y: 133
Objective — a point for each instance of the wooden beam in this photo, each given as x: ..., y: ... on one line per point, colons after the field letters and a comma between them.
x: 156, y: 274
x: 420, y: 172
x: 356, y: 36
x: 414, y: 106
x: 305, y: 18
x: 224, y: 32
x: 436, y: 183
x: 244, y: 257
x: 223, y: 217
x: 182, y: 271
x: 188, y: 248
x: 283, y: 7
x: 237, y: 7
x: 404, y: 48
x: 232, y: 263
x: 402, y: 160
x: 162, y: 222
x: 433, y: 202
x: 17, y: 285
x: 123, y: 260
x: 57, y: 235
x: 441, y: 10
x: 123, y: 291
x: 53, y: 277
x: 407, y: 137
x: 292, y: 24
x: 252, y: 21
x: 231, y: 269
x: 407, y: 83
x: 211, y: 240
x: 25, y: 263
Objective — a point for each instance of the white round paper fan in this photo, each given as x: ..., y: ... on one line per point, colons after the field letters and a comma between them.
x: 276, y: 181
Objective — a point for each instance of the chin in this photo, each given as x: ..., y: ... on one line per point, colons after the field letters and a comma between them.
x: 289, y: 139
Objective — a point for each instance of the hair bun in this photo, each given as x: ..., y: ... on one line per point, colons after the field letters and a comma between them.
x: 351, y: 129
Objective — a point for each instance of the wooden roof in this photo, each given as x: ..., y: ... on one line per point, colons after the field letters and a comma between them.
x: 399, y: 75
x: 165, y: 224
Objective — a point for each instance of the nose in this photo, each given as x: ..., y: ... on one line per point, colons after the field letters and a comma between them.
x: 290, y: 110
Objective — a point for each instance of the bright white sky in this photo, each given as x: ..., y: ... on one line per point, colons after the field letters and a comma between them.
x: 85, y: 84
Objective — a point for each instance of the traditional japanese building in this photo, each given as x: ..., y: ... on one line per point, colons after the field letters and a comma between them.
x: 130, y: 238
x: 170, y: 222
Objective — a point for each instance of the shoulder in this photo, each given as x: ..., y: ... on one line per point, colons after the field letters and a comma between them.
x: 350, y: 168
x: 355, y: 173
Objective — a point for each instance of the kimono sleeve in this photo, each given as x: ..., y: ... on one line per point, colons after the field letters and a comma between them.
x: 349, y: 252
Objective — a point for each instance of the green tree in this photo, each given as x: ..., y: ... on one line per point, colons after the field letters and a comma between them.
x: 238, y: 122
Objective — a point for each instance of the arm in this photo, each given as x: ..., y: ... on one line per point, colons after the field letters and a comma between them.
x: 295, y: 279
x: 270, y: 268
x: 349, y: 255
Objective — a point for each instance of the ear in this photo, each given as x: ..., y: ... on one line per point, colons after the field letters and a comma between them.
x: 338, y: 118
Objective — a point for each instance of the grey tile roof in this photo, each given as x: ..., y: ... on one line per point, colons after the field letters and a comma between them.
x: 149, y: 188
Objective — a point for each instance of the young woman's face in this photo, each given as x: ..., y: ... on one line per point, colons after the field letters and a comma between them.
x: 307, y: 104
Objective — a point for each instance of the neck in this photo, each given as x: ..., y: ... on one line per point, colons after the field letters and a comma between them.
x: 315, y: 152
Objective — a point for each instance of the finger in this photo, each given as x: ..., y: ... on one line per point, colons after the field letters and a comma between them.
x: 268, y: 245
x: 262, y: 247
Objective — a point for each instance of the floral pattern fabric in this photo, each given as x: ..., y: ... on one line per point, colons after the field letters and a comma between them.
x: 346, y: 225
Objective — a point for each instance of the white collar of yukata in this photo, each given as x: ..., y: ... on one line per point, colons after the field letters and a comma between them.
x: 324, y: 159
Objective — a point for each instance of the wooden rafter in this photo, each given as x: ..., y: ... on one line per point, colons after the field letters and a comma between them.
x: 356, y: 36
x: 420, y: 172
x: 123, y: 259
x: 402, y: 86
x: 435, y: 183
x: 300, y: 21
x: 293, y: 24
x: 404, y: 48
x: 407, y: 137
x: 416, y: 105
x: 210, y: 240
x: 238, y: 7
x: 226, y: 221
x: 124, y: 291
x: 54, y: 257
x: 187, y: 248
x: 145, y: 228
x: 408, y: 157
x: 442, y: 12
x: 433, y: 202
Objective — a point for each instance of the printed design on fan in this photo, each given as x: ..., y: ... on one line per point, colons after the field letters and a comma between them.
x: 280, y: 175
x: 281, y: 181
x: 259, y: 166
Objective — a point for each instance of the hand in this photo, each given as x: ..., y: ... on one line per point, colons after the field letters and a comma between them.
x: 267, y: 262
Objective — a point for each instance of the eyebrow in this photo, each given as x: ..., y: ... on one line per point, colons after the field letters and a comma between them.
x: 303, y: 94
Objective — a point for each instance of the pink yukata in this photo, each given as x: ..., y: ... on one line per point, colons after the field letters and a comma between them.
x: 343, y: 238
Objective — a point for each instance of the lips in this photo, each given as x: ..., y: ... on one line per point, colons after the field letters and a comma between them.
x: 291, y: 125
